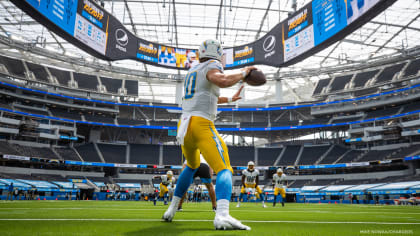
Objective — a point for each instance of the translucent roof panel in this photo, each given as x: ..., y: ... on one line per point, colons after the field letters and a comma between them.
x: 186, y: 23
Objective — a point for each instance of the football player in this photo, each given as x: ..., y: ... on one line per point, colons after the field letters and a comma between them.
x: 196, y: 131
x: 278, y: 180
x: 167, y: 180
x: 205, y: 173
x: 250, y: 180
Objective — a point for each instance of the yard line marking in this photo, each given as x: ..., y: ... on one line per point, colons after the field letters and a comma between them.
x: 248, y: 221
x: 232, y: 210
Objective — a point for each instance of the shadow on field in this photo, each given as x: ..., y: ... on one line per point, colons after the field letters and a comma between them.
x: 173, y: 229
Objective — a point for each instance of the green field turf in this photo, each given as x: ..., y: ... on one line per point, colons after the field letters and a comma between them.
x: 142, y: 218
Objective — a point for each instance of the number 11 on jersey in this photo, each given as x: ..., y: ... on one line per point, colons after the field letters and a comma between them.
x: 189, y: 85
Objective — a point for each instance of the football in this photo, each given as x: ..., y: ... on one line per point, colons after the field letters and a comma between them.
x: 255, y: 78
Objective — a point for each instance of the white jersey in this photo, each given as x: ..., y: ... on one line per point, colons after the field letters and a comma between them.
x: 279, y: 180
x: 201, y: 95
x: 167, y: 181
x: 250, y: 177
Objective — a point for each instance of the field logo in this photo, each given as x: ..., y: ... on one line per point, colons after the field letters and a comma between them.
x: 268, y: 45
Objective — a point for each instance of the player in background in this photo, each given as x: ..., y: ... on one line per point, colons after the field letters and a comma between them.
x: 192, y: 60
x: 278, y: 180
x: 250, y: 179
x: 205, y: 173
x: 197, y: 133
x: 167, y: 180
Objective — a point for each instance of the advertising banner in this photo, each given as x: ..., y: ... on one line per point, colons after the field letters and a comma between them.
x: 298, y: 33
x: 316, y: 25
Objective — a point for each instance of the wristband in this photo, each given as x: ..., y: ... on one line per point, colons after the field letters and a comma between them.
x: 229, y: 100
x: 244, y: 74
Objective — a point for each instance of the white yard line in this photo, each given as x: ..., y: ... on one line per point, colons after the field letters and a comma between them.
x: 249, y: 221
x: 232, y: 210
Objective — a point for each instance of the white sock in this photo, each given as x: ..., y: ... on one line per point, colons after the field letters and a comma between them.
x: 222, y: 207
x: 175, y: 202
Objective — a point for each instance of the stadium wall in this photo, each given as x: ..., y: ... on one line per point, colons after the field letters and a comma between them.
x: 29, y: 171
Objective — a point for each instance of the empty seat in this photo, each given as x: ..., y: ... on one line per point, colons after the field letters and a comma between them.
x: 411, y: 107
x: 88, y: 153
x: 113, y: 153
x: 334, y: 154
x: 132, y: 87
x: 311, y: 154
x: 172, y: 155
x: 62, y: 76
x: 112, y: 85
x: 267, y: 156
x: 67, y: 154
x: 364, y: 92
x: 412, y: 68
x: 388, y: 73
x: 86, y: 81
x: 361, y: 78
x: 239, y: 156
x: 320, y: 85
x: 124, y: 121
x: 100, y: 119
x: 39, y: 71
x: 375, y: 155
x: 340, y: 82
x: 61, y: 113
x: 345, y: 120
x: 298, y: 183
x: 6, y: 148
x: 14, y: 66
x: 289, y: 155
x: 382, y: 112
x: 350, y: 156
x: 144, y: 154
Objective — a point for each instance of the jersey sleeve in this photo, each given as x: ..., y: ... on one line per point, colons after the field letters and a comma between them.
x: 214, y: 64
x: 257, y: 171
x: 243, y: 172
x: 283, y: 177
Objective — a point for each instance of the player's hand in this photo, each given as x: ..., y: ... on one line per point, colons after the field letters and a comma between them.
x: 248, y: 69
x: 237, y: 96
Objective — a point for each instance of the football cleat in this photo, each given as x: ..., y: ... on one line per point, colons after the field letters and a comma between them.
x: 169, y: 214
x: 228, y: 223
x: 264, y: 206
x: 179, y: 209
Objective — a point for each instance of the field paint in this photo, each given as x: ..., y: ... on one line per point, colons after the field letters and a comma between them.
x: 232, y: 210
x: 248, y: 221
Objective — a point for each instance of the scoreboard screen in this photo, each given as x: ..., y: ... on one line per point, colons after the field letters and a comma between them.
x: 310, y: 29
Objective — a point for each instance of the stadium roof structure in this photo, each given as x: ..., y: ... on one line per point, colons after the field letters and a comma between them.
x: 185, y: 23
